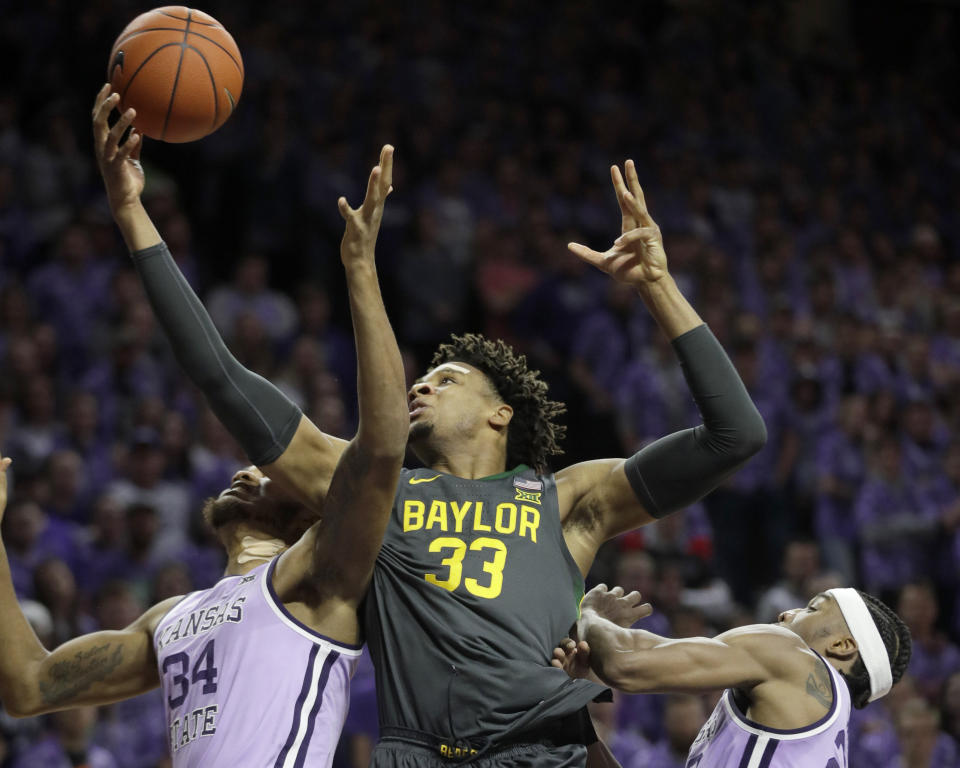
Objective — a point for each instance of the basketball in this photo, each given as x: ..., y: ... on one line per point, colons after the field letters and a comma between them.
x: 180, y: 70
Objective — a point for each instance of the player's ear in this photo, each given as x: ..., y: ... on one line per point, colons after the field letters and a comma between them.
x: 842, y: 647
x: 501, y: 416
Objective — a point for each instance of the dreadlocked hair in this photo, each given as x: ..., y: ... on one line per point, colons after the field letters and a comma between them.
x: 533, y: 435
x: 896, y: 639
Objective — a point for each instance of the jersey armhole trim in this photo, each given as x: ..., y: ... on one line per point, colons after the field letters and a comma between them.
x: 746, y: 724
x: 280, y: 610
x: 550, y: 485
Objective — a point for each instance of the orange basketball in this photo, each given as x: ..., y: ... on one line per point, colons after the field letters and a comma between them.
x: 180, y: 70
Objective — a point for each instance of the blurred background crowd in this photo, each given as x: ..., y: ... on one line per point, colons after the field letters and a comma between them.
x: 802, y: 158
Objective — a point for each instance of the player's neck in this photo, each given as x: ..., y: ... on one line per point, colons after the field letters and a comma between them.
x: 467, y: 456
x: 247, y: 548
x: 470, y: 462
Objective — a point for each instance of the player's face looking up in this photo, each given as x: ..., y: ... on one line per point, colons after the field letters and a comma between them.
x: 252, y: 498
x: 812, y: 620
x: 822, y: 627
x: 247, y: 485
x: 454, y: 400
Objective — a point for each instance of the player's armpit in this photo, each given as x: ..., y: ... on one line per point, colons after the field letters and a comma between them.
x: 596, y: 502
x: 680, y: 468
x: 325, y: 574
x: 99, y: 668
x: 336, y: 556
x: 305, y: 468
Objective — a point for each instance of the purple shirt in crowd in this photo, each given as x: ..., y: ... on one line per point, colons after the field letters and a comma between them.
x: 895, y: 530
x: 49, y: 753
x: 840, y: 457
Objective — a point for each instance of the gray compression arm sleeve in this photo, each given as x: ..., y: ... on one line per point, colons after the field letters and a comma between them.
x: 679, y: 469
x: 257, y: 414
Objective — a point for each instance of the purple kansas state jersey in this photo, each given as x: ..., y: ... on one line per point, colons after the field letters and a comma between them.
x: 246, y: 684
x: 730, y: 740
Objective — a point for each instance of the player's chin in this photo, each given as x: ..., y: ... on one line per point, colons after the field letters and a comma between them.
x: 225, y: 509
x: 419, y: 431
x: 231, y: 496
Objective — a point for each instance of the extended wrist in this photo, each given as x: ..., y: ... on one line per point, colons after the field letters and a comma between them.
x: 669, y: 308
x: 650, y: 290
x: 358, y: 266
x: 127, y: 211
x: 135, y: 226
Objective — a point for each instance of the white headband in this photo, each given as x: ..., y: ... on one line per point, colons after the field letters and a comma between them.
x: 869, y: 643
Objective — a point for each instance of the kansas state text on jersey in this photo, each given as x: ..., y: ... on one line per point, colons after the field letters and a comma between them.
x: 730, y: 739
x: 246, y: 684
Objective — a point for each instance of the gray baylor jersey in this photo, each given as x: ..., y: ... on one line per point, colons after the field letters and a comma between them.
x: 472, y: 590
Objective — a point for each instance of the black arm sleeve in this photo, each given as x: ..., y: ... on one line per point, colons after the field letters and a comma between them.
x: 258, y: 415
x: 679, y: 469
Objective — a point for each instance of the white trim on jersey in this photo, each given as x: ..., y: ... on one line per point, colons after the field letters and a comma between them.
x: 303, y: 715
x: 791, y: 735
x: 760, y: 750
x: 280, y: 612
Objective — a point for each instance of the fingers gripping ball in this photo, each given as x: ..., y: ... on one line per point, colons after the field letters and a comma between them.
x: 180, y: 70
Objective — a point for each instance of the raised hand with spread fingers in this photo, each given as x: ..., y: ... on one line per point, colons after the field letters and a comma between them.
x: 636, y: 257
x: 363, y: 223
x: 122, y: 173
x: 119, y: 163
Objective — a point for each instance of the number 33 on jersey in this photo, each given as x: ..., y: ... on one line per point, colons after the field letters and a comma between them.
x: 454, y: 525
x: 468, y: 566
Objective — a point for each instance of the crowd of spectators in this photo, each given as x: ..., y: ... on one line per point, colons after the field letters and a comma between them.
x: 802, y: 159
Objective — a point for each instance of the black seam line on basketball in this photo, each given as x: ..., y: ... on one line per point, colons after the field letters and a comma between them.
x: 195, y: 21
x: 176, y: 79
x: 233, y: 101
x: 141, y: 66
x: 213, y: 83
x: 236, y: 63
x: 147, y: 29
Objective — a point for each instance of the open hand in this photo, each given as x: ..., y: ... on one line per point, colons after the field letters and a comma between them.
x: 637, y: 256
x: 363, y: 223
x: 572, y: 657
x: 624, y: 610
x: 119, y: 165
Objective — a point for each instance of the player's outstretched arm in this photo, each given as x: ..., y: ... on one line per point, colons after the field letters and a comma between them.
x: 338, y: 553
x: 99, y: 668
x: 573, y: 657
x: 636, y: 661
x: 606, y: 497
x: 273, y: 432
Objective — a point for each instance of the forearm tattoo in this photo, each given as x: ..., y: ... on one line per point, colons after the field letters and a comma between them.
x: 65, y: 679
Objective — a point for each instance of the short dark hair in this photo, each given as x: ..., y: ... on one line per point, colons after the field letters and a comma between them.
x: 897, y: 641
x: 533, y: 435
